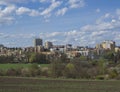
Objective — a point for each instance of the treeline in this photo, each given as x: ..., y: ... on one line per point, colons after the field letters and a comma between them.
x: 75, y: 69
x: 26, y: 58
x: 106, y: 66
x: 6, y: 59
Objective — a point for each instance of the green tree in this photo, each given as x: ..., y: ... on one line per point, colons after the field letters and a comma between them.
x: 38, y: 58
x: 32, y: 58
x: 57, y: 67
x: 70, y: 71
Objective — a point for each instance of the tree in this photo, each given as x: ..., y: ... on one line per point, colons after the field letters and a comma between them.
x: 38, y: 58
x: 70, y: 71
x: 109, y: 55
x: 32, y: 58
x: 57, y: 68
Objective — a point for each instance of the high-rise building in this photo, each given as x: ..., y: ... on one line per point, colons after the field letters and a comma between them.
x: 48, y: 45
x: 38, y: 42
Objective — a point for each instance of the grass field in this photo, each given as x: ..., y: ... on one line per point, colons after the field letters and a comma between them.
x: 54, y: 85
x: 8, y: 66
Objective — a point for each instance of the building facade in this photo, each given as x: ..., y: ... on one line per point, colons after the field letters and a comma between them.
x: 38, y: 42
x: 108, y: 45
x: 48, y: 45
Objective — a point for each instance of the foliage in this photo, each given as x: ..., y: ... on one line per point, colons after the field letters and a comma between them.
x: 56, y: 68
x: 100, y: 77
x: 6, y: 59
x: 70, y: 71
x: 38, y: 58
x: 112, y: 73
x: 109, y: 55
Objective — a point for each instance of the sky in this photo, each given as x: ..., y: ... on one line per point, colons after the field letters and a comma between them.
x: 77, y: 22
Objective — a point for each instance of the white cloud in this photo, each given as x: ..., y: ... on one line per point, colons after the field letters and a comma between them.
x: 62, y: 11
x: 107, y: 15
x: 7, y: 11
x: 6, y: 20
x: 76, y: 3
x: 48, y: 10
x: 22, y: 10
x: 6, y: 14
x: 98, y: 10
x: 42, y: 1
x: 17, y: 1
x: 118, y: 11
x: 34, y: 13
x: 91, y: 34
x: 9, y: 8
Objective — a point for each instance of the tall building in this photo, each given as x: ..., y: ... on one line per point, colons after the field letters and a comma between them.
x: 38, y: 42
x: 108, y: 45
x: 48, y: 45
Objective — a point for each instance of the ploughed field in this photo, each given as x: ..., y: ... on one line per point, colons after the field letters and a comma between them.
x: 56, y: 85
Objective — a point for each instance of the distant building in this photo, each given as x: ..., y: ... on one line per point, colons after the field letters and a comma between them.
x: 38, y: 42
x: 117, y: 49
x: 108, y: 45
x: 48, y: 45
x: 1, y: 46
x: 58, y: 48
x: 105, y: 45
x: 68, y: 47
x: 39, y: 49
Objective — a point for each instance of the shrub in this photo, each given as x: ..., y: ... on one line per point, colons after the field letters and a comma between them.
x: 100, y: 77
x: 11, y: 72
x: 69, y: 71
x: 56, y: 69
x: 92, y: 72
x: 2, y: 72
x: 113, y: 74
x: 25, y: 72
x: 45, y: 72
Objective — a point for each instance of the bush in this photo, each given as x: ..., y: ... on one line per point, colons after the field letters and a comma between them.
x: 113, y: 74
x: 25, y: 72
x: 100, y: 77
x: 45, y: 72
x: 11, y: 72
x: 56, y: 69
x: 92, y: 72
x: 69, y: 71
x: 2, y: 73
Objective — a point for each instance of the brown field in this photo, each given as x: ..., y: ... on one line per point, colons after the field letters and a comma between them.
x: 56, y: 85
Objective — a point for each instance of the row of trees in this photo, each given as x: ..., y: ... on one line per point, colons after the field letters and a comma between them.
x: 28, y: 58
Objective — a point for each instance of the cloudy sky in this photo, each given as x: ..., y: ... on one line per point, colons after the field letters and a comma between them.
x: 78, y: 22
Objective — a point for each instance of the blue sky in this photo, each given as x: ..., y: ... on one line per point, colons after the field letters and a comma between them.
x: 79, y: 22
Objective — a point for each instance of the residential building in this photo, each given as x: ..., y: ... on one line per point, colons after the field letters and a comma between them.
x: 108, y: 45
x: 68, y: 47
x: 48, y: 45
x: 117, y: 49
x: 39, y: 49
x: 38, y: 42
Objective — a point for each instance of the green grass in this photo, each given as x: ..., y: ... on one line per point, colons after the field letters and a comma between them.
x: 14, y: 66
x: 56, y: 85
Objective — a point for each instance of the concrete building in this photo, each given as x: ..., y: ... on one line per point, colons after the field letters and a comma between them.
x: 39, y: 49
x: 68, y: 47
x: 38, y: 42
x: 117, y: 49
x: 108, y: 45
x: 99, y: 49
x: 48, y: 45
x: 105, y: 45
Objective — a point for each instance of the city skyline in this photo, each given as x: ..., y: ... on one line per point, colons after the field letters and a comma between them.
x: 78, y: 22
